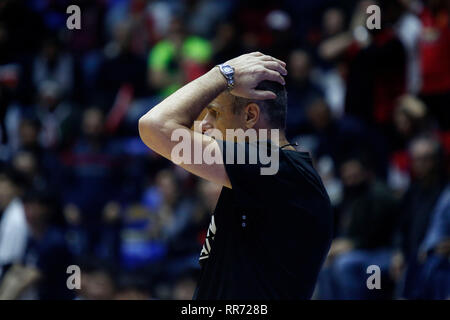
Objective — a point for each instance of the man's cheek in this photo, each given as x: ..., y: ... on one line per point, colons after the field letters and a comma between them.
x: 219, y: 125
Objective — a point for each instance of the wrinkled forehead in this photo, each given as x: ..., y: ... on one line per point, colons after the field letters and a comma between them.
x: 222, y: 102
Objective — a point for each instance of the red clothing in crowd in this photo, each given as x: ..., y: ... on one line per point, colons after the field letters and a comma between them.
x: 435, y: 52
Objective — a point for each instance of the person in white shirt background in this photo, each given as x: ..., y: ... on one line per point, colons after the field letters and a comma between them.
x: 13, y: 225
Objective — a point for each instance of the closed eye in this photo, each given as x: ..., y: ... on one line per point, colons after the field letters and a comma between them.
x: 213, y: 112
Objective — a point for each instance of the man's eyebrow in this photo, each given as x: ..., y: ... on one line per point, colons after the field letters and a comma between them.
x: 212, y: 107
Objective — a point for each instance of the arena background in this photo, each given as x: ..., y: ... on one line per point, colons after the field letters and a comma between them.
x: 78, y: 187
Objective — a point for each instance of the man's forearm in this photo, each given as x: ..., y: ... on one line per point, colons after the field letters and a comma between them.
x: 179, y: 110
x: 184, y: 105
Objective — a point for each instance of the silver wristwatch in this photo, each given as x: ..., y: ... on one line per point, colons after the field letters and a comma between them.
x: 228, y: 72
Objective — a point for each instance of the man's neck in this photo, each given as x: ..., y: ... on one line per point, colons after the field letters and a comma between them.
x: 284, y: 142
x: 281, y: 141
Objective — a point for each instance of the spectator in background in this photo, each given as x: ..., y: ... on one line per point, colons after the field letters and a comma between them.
x: 333, y: 29
x: 375, y: 62
x: 13, y: 226
x: 91, y: 173
x: 176, y: 220
x: 42, y: 272
x: 188, y: 243
x: 376, y: 74
x: 91, y: 36
x: 47, y: 167
x: 97, y: 280
x: 340, y: 137
x: 225, y: 42
x: 203, y: 15
x: 120, y: 66
x: 54, y: 65
x: 133, y: 287
x: 27, y: 165
x: 108, y: 244
x: 29, y: 129
x: 177, y: 59
x: 301, y: 89
x: 175, y: 210
x: 336, y: 137
x: 76, y: 233
x: 408, y: 29
x: 434, y: 253
x: 279, y: 24
x: 417, y: 206
x: 185, y: 286
x: 333, y: 22
x: 257, y: 27
x: 435, y: 59
x: 55, y: 114
x: 9, y: 79
x: 326, y: 169
x: 366, y: 221
x: 142, y: 244
x: 331, y: 69
x: 410, y: 120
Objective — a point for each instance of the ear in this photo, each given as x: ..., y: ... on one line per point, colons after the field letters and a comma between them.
x: 251, y: 114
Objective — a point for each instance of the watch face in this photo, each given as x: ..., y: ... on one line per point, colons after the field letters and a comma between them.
x: 227, y: 70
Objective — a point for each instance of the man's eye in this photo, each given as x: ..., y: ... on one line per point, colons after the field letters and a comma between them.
x: 214, y: 113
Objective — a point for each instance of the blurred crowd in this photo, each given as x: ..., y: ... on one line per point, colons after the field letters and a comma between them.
x: 78, y: 187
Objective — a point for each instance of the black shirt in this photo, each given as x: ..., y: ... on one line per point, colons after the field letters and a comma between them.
x: 269, y: 234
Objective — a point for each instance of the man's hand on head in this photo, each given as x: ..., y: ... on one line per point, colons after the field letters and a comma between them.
x: 181, y: 108
x: 252, y: 68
